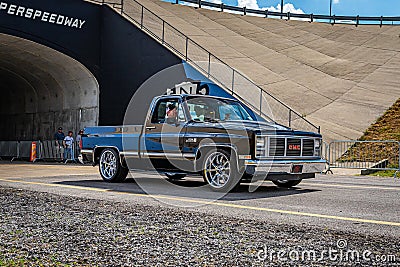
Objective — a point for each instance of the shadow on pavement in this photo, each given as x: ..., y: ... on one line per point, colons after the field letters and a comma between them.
x: 189, y: 188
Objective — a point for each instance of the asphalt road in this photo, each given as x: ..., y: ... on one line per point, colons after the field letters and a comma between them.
x: 365, y: 205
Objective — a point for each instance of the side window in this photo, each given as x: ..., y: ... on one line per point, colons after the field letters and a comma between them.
x: 159, y: 112
x: 168, y: 111
x: 201, y: 111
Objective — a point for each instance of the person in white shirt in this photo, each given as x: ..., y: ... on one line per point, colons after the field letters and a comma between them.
x: 68, y: 142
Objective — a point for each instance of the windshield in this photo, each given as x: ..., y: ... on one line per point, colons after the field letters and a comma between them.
x: 212, y: 109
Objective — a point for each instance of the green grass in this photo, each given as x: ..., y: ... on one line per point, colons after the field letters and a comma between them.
x: 387, y: 127
x: 384, y: 174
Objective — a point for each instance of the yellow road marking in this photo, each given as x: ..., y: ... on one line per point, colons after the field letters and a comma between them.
x: 353, y: 186
x: 214, y: 203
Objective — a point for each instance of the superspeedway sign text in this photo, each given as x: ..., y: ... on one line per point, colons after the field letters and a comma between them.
x: 36, y: 14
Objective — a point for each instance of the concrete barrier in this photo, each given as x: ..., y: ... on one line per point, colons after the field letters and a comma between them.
x: 8, y: 149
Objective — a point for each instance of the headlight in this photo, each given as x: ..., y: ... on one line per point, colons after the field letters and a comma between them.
x: 260, y: 146
x: 317, y: 143
x: 317, y: 147
x: 260, y: 141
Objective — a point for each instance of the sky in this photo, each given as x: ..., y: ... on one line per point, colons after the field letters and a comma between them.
x: 339, y: 7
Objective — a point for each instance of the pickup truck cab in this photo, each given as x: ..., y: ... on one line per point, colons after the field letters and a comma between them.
x: 217, y: 138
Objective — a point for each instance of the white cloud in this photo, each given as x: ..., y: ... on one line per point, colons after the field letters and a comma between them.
x: 286, y: 8
x: 336, y: 1
x: 215, y: 1
x: 252, y: 4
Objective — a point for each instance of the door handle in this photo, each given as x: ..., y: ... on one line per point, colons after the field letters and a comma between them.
x: 150, y: 127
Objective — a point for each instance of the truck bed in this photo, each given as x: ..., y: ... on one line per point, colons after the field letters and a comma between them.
x: 124, y: 138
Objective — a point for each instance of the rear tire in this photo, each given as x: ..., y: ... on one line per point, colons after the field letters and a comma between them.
x: 110, y: 167
x: 286, y: 183
x: 220, y: 170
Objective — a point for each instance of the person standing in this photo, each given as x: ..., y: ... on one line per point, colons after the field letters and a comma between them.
x: 68, y: 145
x: 59, y: 137
x: 78, y: 142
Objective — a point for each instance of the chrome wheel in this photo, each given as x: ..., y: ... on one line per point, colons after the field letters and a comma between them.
x: 217, y: 169
x: 108, y: 164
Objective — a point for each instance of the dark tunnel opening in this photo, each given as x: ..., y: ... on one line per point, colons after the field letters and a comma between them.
x: 41, y: 90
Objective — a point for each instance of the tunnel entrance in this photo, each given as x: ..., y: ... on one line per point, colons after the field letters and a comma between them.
x: 41, y: 90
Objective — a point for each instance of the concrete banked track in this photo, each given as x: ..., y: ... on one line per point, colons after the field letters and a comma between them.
x: 341, y: 77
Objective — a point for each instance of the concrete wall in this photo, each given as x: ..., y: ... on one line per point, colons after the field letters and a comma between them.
x: 128, y: 58
x: 55, y: 75
x: 41, y: 90
x: 341, y: 77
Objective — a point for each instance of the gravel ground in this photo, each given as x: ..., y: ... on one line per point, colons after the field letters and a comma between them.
x: 42, y: 229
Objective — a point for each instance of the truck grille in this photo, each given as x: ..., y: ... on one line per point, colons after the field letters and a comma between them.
x: 293, y: 147
x: 289, y: 147
x: 276, y: 147
x: 308, y: 147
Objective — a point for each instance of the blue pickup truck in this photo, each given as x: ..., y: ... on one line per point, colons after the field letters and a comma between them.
x: 217, y: 138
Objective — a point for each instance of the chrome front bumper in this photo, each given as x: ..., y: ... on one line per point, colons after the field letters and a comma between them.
x: 286, y: 166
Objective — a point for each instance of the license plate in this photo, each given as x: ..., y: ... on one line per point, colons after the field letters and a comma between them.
x: 297, y: 168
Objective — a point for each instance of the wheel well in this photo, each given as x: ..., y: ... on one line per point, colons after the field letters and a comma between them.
x: 234, y: 156
x: 96, y: 154
x: 204, y: 150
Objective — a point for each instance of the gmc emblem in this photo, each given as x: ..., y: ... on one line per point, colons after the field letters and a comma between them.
x: 294, y: 147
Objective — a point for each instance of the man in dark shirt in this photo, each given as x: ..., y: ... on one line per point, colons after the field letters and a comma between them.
x: 59, y: 137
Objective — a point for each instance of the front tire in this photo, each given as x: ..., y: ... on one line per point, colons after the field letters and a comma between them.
x: 286, y: 183
x: 220, y: 171
x: 110, y: 167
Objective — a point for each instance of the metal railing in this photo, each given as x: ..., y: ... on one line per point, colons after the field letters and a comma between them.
x: 370, y: 155
x: 117, y: 4
x: 14, y: 150
x: 52, y: 150
x: 212, y: 67
x: 334, y: 19
x: 45, y: 150
x: 9, y: 150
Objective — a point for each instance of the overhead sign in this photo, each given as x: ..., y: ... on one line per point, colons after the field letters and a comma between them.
x: 41, y: 15
x: 193, y: 87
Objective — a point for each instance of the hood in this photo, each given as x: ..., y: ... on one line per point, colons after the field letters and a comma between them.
x: 260, y: 127
x: 254, y: 126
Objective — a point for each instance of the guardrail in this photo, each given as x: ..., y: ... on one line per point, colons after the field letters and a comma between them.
x: 45, y: 150
x: 230, y: 79
x: 52, y: 150
x: 369, y: 155
x: 15, y: 149
x: 9, y: 149
x: 334, y: 19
